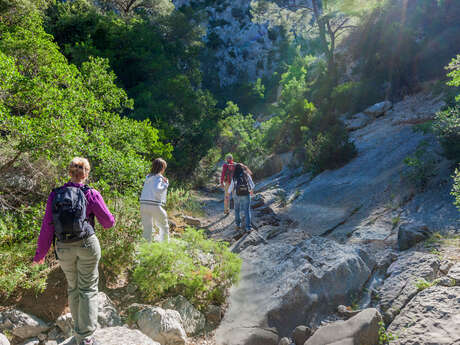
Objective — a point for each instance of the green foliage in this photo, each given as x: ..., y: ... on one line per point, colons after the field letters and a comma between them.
x: 384, y: 336
x: 420, y: 167
x: 181, y: 199
x: 447, y: 122
x: 456, y: 188
x: 422, y: 284
x: 156, y: 62
x: 118, y: 243
x: 241, y: 136
x: 199, y: 269
x: 411, y: 57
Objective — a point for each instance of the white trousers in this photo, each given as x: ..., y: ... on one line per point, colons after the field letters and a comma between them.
x: 154, y: 216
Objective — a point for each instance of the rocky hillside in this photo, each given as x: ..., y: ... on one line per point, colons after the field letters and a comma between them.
x: 242, y: 45
x: 365, y: 254
x: 341, y: 238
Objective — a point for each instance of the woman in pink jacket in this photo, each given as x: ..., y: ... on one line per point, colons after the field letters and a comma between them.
x: 69, y: 218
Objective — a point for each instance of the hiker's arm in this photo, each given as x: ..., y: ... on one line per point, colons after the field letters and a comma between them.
x: 251, y: 183
x: 162, y: 184
x: 100, y: 210
x: 46, y: 232
x: 230, y: 188
x: 222, y: 176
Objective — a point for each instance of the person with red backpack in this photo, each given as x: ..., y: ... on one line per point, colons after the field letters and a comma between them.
x: 225, y: 180
x: 69, y: 220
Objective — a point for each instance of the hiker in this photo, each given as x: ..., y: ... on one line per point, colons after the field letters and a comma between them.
x: 243, y: 186
x: 225, y: 180
x: 153, y: 201
x: 69, y: 221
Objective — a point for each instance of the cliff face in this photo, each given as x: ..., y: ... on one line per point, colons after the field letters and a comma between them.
x: 244, y: 38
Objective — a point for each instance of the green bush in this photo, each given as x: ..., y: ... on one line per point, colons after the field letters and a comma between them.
x: 456, y: 188
x: 201, y: 270
x: 420, y: 167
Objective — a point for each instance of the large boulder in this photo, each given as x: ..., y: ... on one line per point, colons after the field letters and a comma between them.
x: 163, y: 326
x: 4, y: 340
x: 21, y: 324
x: 301, y: 334
x: 362, y: 329
x: 454, y: 274
x: 401, y: 285
x: 107, y: 315
x: 117, y: 336
x: 409, y: 234
x: 65, y: 324
x: 378, y: 109
x: 432, y: 317
x: 192, y: 320
x: 356, y: 121
x: 284, y: 285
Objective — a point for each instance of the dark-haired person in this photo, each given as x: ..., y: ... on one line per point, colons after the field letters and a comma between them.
x: 77, y: 247
x: 153, y: 201
x: 243, y: 186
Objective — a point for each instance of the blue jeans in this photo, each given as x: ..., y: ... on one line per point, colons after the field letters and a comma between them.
x: 243, y: 202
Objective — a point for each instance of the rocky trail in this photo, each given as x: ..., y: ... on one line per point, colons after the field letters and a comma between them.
x: 359, y: 255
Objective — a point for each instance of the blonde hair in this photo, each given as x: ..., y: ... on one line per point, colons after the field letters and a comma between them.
x: 79, y: 168
x: 158, y: 165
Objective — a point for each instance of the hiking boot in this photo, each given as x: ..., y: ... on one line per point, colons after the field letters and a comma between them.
x: 226, y: 212
x: 89, y: 341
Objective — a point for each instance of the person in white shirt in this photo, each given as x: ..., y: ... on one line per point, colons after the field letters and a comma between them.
x: 153, y: 201
x: 243, y: 187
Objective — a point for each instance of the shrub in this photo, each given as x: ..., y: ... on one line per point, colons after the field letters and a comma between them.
x: 201, y: 270
x: 420, y: 167
x: 456, y: 188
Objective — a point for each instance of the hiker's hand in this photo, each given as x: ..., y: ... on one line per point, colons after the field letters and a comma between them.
x: 221, y: 185
x: 165, y: 179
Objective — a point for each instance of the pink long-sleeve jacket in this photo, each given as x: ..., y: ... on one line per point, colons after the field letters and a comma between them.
x: 95, y: 207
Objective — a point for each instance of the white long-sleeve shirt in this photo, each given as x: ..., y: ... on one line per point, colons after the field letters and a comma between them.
x: 250, y: 184
x: 154, y: 191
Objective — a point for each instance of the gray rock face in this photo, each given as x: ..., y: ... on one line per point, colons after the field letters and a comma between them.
x: 107, y: 316
x: 65, y: 324
x: 410, y: 234
x: 122, y: 336
x: 192, y: 320
x: 378, y: 109
x: 289, y: 285
x: 362, y: 329
x: 432, y: 317
x: 4, y: 340
x: 192, y: 221
x: 357, y: 121
x: 238, y: 45
x: 285, y: 341
x: 21, y: 324
x: 107, y: 313
x: 335, y: 203
x: 163, y: 326
x: 400, y: 287
x: 301, y: 334
x: 454, y: 274
x: 32, y: 341
x: 118, y: 336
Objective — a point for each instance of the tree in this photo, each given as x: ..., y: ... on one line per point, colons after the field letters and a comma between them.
x: 127, y: 7
x: 331, y: 20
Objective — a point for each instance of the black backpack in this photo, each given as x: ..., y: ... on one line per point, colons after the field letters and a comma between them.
x: 69, y: 214
x: 242, y: 186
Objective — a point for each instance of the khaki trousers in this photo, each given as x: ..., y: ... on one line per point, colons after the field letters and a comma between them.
x: 226, y: 197
x: 154, y: 216
x: 79, y: 261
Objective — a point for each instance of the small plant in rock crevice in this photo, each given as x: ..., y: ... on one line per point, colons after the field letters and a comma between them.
x: 384, y: 336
